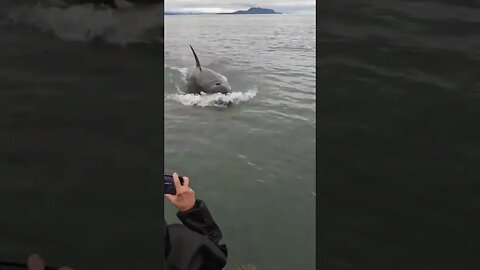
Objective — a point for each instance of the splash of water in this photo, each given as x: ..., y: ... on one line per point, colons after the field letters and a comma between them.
x: 213, y: 100
x: 182, y: 70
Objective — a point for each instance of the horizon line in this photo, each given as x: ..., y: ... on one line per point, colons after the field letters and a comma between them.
x: 205, y: 12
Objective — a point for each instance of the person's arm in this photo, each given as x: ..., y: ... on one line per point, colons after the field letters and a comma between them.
x: 194, y: 213
x: 199, y: 219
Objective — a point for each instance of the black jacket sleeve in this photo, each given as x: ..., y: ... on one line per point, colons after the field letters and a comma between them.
x: 195, y: 244
x: 199, y: 219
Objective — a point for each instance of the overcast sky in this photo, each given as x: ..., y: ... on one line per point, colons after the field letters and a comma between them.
x: 284, y: 6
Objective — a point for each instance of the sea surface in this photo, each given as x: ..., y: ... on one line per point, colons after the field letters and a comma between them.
x: 250, y: 154
x: 398, y: 134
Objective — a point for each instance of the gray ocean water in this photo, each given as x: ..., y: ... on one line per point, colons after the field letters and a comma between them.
x: 253, y: 162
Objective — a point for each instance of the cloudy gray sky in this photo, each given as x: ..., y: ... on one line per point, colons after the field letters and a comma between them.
x: 284, y: 6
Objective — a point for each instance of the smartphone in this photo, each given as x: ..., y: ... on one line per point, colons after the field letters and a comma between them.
x: 169, y: 184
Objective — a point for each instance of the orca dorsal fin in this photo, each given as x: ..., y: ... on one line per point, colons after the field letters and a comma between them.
x: 196, y: 58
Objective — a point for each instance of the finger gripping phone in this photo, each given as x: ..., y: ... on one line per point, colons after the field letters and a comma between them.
x: 169, y: 184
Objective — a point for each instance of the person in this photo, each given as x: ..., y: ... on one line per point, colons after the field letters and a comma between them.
x: 195, y: 245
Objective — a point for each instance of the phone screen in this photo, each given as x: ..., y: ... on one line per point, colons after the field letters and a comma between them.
x: 169, y: 185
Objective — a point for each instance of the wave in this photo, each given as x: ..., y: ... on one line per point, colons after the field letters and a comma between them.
x: 87, y: 23
x: 183, y: 71
x: 213, y: 100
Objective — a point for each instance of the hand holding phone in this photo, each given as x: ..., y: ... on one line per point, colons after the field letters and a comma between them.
x: 169, y: 184
x: 184, y: 197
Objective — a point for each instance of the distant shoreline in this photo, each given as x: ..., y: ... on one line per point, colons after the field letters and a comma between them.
x: 185, y: 14
x: 250, y: 11
x: 207, y: 14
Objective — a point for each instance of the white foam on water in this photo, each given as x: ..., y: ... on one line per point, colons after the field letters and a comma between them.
x: 182, y: 70
x: 213, y: 100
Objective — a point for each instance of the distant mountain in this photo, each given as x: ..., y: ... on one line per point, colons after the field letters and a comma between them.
x: 252, y: 10
x: 255, y: 10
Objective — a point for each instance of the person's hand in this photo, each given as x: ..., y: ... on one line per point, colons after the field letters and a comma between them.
x: 185, y: 198
x: 35, y: 262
